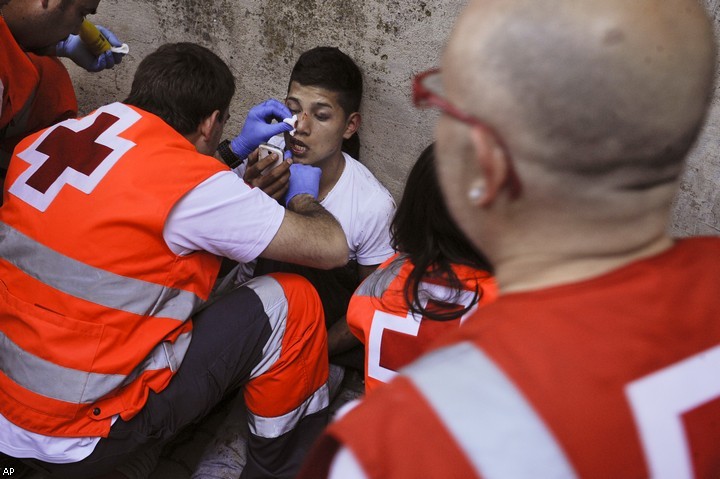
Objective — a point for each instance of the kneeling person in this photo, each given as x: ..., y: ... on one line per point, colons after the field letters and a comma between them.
x: 113, y: 229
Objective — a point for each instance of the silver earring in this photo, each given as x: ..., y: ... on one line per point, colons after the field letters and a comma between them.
x: 477, y: 192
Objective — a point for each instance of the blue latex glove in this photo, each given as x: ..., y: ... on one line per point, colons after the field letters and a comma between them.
x: 74, y: 49
x: 304, y: 180
x: 257, y: 127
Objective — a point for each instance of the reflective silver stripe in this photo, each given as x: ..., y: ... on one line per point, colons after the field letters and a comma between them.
x: 275, y: 305
x: 174, y: 352
x: 490, y: 419
x: 272, y: 427
x: 53, y: 381
x: 75, y: 386
x: 164, y: 355
x: 376, y: 285
x: 93, y: 284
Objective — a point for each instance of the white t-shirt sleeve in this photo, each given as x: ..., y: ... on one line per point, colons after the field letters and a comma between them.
x: 374, y: 242
x: 224, y: 216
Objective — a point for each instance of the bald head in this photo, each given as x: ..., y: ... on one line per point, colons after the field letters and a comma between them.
x: 586, y: 86
x: 597, y: 103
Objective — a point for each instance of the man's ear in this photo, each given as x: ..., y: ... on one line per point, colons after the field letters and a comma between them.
x: 202, y: 137
x: 352, y: 124
x: 492, y: 161
x: 208, y: 125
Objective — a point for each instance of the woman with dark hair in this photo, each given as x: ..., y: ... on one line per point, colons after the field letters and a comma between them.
x: 427, y: 288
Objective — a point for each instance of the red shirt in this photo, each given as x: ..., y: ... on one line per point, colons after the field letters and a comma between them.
x: 616, y: 376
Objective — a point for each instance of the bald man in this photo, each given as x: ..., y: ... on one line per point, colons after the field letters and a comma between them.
x: 564, y: 128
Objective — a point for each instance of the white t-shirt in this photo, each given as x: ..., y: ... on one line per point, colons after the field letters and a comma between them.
x: 363, y: 207
x: 222, y: 215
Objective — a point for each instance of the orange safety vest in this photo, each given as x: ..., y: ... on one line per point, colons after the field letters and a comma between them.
x: 36, y: 92
x: 94, y: 306
x: 379, y: 316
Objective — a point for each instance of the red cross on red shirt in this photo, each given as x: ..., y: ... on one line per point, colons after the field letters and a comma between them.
x: 399, y: 349
x: 66, y: 148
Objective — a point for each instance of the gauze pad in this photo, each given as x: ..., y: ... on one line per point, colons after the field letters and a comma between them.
x: 292, y: 121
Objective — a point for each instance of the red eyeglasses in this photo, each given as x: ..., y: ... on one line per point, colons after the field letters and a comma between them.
x: 424, y: 97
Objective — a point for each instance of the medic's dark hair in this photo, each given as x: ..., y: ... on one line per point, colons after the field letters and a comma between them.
x: 182, y: 83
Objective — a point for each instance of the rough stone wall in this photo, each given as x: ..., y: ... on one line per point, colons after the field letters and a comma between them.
x: 697, y: 207
x: 390, y: 39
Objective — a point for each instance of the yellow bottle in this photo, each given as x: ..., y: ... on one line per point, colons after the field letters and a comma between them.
x: 93, y: 38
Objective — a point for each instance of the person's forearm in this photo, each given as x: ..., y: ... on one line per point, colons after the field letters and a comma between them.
x: 306, y: 205
x: 325, y: 225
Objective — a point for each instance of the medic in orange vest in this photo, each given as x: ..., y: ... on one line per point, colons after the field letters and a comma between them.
x: 111, y: 236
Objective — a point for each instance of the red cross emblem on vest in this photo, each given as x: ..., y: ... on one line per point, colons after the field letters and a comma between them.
x: 398, y: 349
x: 68, y: 149
x: 78, y: 152
x: 394, y: 341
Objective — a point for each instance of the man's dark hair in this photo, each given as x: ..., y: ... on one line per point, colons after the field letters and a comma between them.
x: 329, y: 68
x: 423, y: 229
x: 182, y: 83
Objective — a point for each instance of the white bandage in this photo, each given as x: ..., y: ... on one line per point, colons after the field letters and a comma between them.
x: 292, y: 121
x: 124, y: 49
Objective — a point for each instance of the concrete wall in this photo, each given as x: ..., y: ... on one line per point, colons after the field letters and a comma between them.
x: 390, y: 39
x: 697, y: 207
